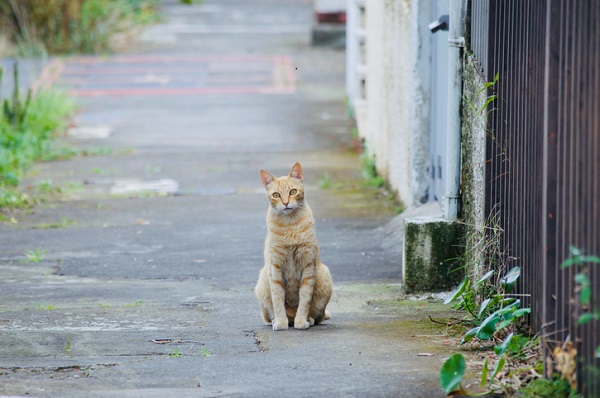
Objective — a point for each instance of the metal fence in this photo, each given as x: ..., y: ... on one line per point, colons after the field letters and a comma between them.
x: 543, y: 158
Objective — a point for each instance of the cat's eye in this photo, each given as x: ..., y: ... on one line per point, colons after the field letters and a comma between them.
x: 293, y: 191
x: 276, y: 195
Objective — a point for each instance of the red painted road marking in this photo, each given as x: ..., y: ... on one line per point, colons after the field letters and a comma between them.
x: 152, y: 75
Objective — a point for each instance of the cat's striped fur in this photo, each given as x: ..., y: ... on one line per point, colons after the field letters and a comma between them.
x: 293, y: 287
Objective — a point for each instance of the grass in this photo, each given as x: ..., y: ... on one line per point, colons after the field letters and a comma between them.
x: 27, y: 131
x: 136, y: 304
x: 63, y: 223
x: 68, y: 346
x: 205, y: 352
x: 44, y: 307
x: 325, y: 181
x: 176, y: 353
x: 34, y: 256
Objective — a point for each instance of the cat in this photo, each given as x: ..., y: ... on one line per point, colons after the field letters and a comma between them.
x: 293, y: 287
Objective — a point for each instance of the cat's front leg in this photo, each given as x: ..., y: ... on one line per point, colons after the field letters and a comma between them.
x: 307, y: 287
x: 277, y: 285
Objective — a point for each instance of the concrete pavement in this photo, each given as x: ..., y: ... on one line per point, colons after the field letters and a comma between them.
x: 151, y: 293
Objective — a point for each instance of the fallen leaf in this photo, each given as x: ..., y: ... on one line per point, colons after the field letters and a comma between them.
x: 425, y: 354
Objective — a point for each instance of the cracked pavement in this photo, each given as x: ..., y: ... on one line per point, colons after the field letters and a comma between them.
x: 204, y: 100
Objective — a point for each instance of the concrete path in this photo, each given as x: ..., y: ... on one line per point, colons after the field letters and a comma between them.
x: 150, y: 250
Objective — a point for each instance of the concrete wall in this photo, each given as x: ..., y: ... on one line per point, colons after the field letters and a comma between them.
x: 396, y: 114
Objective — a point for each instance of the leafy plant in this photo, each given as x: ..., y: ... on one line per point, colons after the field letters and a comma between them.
x: 494, y: 96
x: 583, y: 286
x: 497, y: 312
x: 452, y: 373
x: 554, y: 388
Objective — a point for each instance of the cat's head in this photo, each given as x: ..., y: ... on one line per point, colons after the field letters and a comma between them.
x: 285, y: 194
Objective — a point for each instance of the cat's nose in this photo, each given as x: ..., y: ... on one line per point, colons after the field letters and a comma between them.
x: 285, y: 203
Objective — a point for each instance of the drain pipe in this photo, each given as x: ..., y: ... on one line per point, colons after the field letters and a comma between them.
x: 456, y: 41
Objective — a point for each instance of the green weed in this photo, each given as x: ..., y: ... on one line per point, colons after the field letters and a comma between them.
x: 205, y: 352
x: 325, y: 181
x: 47, y: 187
x: 68, y: 346
x: 63, y: 223
x: 11, y: 199
x: 100, y: 151
x: 176, y: 353
x: 44, y: 307
x: 34, y: 256
x: 372, y: 178
x: 136, y: 304
x: 555, y: 388
x: 27, y: 131
x: 104, y: 172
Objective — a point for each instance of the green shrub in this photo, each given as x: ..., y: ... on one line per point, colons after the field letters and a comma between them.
x: 28, y: 137
x: 543, y: 388
x: 69, y: 26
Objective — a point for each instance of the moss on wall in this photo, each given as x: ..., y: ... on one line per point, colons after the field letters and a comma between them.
x: 474, y: 122
x: 432, y: 249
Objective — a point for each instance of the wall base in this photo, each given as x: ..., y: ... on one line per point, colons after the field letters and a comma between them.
x: 432, y: 247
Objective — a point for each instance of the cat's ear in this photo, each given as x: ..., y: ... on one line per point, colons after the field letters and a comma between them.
x: 266, y: 177
x: 296, y: 172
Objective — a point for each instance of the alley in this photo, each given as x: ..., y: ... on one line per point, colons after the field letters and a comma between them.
x: 150, y: 251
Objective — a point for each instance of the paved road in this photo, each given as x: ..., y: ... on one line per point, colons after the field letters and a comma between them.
x: 150, y: 293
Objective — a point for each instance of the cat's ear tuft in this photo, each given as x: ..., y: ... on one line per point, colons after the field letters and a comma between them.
x: 266, y: 177
x: 296, y: 172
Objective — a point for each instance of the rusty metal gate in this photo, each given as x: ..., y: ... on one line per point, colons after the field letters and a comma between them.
x: 543, y: 157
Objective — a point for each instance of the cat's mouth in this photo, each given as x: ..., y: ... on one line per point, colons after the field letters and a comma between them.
x: 287, y: 210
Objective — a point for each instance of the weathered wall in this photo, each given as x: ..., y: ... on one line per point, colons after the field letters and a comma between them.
x: 396, y: 128
x: 473, y: 164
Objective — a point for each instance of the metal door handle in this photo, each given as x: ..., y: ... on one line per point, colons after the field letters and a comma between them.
x: 441, y: 24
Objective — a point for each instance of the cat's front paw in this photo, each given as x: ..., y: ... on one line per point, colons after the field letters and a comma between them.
x: 301, y: 324
x: 280, y: 325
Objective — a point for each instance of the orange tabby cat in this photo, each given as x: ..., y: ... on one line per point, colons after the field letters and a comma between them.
x: 293, y: 286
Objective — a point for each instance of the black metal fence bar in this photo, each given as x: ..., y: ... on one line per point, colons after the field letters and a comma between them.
x: 572, y: 177
x: 543, y: 157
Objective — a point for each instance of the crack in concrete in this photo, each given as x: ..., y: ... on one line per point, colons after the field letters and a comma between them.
x: 262, y: 340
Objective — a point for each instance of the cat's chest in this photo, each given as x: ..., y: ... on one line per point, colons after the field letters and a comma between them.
x: 293, y: 236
